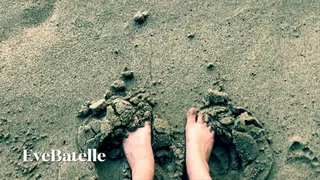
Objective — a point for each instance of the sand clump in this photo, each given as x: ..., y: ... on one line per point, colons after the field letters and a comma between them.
x: 169, y: 150
x: 191, y: 36
x: 140, y: 17
x: 111, y: 119
x: 127, y: 75
x: 108, y: 121
x: 241, y: 148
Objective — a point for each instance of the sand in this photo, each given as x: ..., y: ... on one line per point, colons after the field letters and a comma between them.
x: 55, y: 55
x: 107, y: 122
x: 241, y: 148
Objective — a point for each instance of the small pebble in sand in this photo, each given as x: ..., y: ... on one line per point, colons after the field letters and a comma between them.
x: 141, y: 17
x: 118, y: 85
x: 98, y: 107
x: 83, y: 112
x: 156, y: 82
x: 127, y: 74
x: 191, y: 36
x: 117, y: 51
x: 210, y: 66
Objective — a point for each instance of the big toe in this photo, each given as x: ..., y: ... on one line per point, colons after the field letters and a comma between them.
x: 147, y: 124
x: 191, y: 115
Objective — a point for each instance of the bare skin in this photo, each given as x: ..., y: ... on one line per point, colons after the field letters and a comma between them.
x: 199, y: 142
x: 138, y: 151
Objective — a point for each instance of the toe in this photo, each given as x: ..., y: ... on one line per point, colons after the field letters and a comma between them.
x: 212, y: 131
x: 206, y: 118
x: 200, y: 117
x: 147, y: 123
x: 191, y: 115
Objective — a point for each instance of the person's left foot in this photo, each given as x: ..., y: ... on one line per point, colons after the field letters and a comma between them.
x: 138, y: 151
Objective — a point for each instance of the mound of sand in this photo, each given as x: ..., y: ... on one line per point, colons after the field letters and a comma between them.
x: 241, y: 146
x: 107, y: 122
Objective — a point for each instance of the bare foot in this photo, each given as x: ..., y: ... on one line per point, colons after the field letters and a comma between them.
x: 138, y: 151
x: 199, y: 143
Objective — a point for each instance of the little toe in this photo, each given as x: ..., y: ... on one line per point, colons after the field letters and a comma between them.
x: 211, y: 131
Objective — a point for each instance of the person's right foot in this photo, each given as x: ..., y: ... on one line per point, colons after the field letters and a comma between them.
x: 199, y: 143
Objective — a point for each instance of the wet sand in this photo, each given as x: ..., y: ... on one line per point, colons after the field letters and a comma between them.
x: 54, y: 55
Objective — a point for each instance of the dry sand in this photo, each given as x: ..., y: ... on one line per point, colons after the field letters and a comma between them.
x: 54, y: 55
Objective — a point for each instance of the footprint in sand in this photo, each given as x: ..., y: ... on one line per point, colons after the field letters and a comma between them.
x: 299, y: 151
x: 37, y: 13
